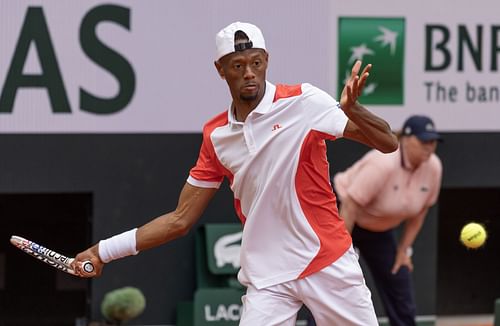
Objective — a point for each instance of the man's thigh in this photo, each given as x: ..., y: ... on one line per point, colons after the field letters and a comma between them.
x: 338, y: 295
x: 273, y: 306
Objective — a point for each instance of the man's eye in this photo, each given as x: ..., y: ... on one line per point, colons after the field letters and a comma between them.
x: 257, y: 63
x: 237, y: 66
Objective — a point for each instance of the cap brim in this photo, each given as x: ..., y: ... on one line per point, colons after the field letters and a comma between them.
x: 427, y: 136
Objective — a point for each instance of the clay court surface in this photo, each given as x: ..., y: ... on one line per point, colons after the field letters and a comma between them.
x: 476, y: 320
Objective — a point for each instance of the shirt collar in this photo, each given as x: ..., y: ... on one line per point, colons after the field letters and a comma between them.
x: 405, y: 162
x: 266, y: 102
x: 262, y: 108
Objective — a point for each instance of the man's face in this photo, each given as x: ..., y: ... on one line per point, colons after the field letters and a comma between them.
x: 245, y: 73
x: 420, y: 150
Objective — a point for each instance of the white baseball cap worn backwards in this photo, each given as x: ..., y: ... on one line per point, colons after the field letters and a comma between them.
x: 224, y: 40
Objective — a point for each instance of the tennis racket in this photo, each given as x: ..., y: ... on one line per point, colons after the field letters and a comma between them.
x: 49, y: 256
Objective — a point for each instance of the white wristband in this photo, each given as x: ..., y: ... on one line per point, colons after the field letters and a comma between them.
x: 118, y: 246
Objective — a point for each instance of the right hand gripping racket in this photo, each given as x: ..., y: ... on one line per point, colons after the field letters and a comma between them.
x: 49, y: 256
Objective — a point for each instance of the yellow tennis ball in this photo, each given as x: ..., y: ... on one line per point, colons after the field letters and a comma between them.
x: 473, y: 235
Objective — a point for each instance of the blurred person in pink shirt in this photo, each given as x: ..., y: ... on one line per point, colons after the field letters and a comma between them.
x: 377, y: 194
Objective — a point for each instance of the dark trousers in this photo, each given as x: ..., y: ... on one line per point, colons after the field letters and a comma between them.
x: 378, y: 249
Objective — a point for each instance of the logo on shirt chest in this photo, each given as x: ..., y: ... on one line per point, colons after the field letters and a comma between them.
x: 276, y: 127
x: 422, y: 188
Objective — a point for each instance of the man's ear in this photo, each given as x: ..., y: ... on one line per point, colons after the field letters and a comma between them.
x: 220, y: 71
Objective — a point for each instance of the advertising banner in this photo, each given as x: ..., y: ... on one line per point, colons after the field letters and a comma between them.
x: 147, y: 67
x: 439, y: 58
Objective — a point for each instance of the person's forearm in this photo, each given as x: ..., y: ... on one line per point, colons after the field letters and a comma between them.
x: 349, y: 212
x: 192, y: 202
x: 376, y: 130
x: 170, y: 226
x: 411, y: 229
x: 161, y: 230
x: 157, y: 232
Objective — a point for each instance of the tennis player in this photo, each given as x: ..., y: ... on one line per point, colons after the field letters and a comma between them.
x: 270, y: 144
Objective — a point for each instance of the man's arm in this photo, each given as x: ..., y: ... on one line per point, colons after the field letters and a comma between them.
x: 349, y: 211
x: 411, y: 229
x: 192, y: 202
x: 364, y: 126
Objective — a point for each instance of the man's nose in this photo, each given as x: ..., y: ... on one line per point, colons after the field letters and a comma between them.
x: 249, y: 73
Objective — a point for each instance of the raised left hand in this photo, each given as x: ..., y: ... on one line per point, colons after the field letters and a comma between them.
x: 354, y: 85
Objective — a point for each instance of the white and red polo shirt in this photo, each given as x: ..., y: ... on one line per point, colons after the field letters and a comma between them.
x: 278, y: 170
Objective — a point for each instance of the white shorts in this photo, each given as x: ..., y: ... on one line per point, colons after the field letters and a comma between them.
x: 336, y: 295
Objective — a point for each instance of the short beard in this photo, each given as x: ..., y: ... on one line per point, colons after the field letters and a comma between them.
x: 248, y: 98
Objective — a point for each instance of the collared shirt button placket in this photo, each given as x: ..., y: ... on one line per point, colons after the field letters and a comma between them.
x: 249, y: 139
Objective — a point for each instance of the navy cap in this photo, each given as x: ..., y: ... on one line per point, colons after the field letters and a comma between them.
x: 422, y: 127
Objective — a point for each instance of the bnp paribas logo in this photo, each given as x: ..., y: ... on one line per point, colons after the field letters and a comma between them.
x: 379, y: 41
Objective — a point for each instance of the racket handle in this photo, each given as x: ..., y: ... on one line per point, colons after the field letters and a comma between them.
x: 88, y: 267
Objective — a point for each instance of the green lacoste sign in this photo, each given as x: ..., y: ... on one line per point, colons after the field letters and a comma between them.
x: 217, y: 306
x: 379, y: 41
x: 223, y: 242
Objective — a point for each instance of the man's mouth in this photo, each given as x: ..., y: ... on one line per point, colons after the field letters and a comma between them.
x: 250, y: 87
